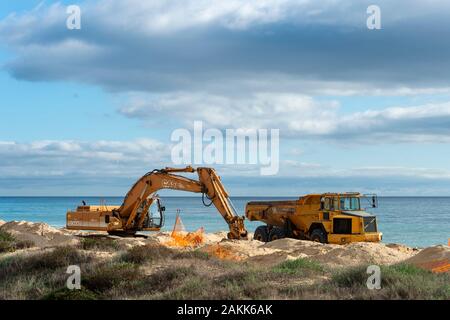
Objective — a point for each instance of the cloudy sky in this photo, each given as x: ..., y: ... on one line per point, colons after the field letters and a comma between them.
x: 86, y: 112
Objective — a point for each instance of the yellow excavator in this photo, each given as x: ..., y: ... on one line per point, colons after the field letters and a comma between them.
x: 134, y: 214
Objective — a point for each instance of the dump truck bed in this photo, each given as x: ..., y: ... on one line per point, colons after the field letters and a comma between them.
x: 271, y: 212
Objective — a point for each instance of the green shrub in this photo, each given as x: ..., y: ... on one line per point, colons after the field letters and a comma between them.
x: 166, y: 278
x: 5, y: 236
x: 406, y: 270
x: 241, y: 284
x: 25, y: 244
x: 32, y: 263
x: 401, y: 281
x: 105, y: 277
x: 99, y: 244
x: 6, y: 246
x: 58, y: 257
x: 348, y: 278
x: 195, y: 254
x: 298, y: 266
x: 409, y: 282
x: 9, y: 243
x: 162, y: 283
x: 192, y: 288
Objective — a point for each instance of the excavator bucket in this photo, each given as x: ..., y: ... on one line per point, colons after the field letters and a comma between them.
x: 237, y: 229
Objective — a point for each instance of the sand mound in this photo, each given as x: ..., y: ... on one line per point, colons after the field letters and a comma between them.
x: 2, y: 222
x: 436, y: 259
x: 41, y: 234
x: 215, y: 237
x: 363, y: 253
x: 328, y: 254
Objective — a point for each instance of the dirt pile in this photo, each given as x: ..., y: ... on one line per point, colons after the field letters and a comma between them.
x: 40, y: 234
x: 207, y: 238
x: 216, y: 237
x: 436, y: 259
x: 328, y: 254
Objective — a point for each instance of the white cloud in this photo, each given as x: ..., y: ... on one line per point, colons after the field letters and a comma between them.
x: 98, y: 158
x: 292, y: 112
x: 162, y: 16
x: 294, y: 168
x: 110, y: 167
x: 423, y: 123
x: 133, y: 158
x: 297, y: 116
x: 234, y: 45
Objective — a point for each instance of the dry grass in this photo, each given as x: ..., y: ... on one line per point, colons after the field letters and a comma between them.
x: 109, y: 275
x: 33, y: 275
x: 399, y: 281
x: 158, y: 272
x: 99, y: 243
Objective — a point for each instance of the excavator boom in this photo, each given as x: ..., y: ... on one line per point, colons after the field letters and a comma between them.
x: 133, y: 214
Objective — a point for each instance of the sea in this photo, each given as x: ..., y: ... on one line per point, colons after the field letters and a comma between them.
x: 413, y: 221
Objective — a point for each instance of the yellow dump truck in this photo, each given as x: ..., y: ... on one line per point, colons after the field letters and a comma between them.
x: 327, y: 218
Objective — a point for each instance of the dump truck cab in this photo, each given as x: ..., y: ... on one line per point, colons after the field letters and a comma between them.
x: 328, y: 218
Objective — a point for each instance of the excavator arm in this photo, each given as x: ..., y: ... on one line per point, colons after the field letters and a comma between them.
x: 135, y: 206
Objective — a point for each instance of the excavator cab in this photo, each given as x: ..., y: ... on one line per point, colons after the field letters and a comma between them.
x: 155, y: 218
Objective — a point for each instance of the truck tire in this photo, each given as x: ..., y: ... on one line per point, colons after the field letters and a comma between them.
x: 261, y: 234
x: 276, y: 233
x: 318, y: 235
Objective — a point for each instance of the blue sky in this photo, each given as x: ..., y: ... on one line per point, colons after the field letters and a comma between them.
x: 86, y: 112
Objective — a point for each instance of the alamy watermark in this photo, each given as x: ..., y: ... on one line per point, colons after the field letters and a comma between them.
x: 231, y: 146
x: 74, y: 280
x: 374, y: 280
x: 73, y: 21
x: 373, y: 22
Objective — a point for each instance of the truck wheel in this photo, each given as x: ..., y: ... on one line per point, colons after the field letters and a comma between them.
x: 261, y: 234
x: 318, y: 235
x: 276, y: 233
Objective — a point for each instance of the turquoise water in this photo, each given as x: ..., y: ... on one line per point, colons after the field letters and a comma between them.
x: 414, y: 221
